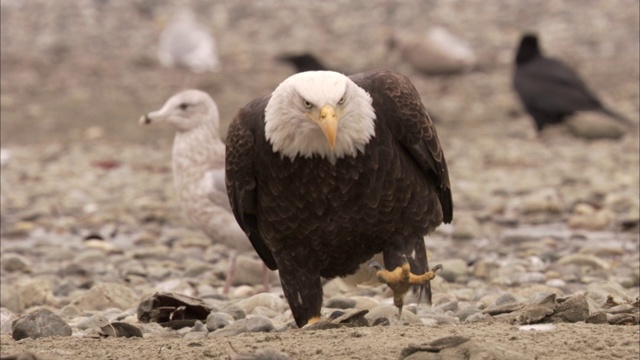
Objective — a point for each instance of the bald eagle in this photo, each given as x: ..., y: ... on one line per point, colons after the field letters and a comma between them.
x: 330, y: 170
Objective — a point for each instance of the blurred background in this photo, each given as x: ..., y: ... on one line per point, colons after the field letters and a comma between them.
x: 81, y: 68
x: 77, y: 75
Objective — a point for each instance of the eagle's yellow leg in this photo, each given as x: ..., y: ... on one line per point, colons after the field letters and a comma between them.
x: 401, y: 279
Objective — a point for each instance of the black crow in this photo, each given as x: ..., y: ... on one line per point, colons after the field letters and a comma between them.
x: 549, y: 89
x: 303, y: 62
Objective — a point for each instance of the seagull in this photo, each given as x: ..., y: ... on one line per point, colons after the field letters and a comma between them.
x: 199, y: 170
x: 186, y: 43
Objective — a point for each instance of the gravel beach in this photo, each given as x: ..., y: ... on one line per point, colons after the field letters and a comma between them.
x: 542, y: 259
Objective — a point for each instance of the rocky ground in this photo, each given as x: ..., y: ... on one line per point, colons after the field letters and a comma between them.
x: 541, y: 261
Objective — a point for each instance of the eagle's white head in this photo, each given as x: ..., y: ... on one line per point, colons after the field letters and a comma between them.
x: 320, y: 113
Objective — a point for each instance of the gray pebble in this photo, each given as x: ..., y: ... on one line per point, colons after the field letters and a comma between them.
x: 531, y: 278
x: 572, y: 309
x: 91, y: 322
x: 268, y: 300
x: 466, y: 312
x: 70, y: 311
x: 195, y: 270
x: 259, y: 324
x: 340, y: 303
x: 236, y: 312
x: 120, y: 329
x: 390, y: 312
x: 218, y: 320
x: 594, y: 125
x: 252, y: 324
x: 477, y: 317
x: 449, y: 306
x: 199, y: 327
x: 591, y: 261
x: 621, y: 309
x: 40, y: 323
x: 452, y: 269
x: 505, y: 298
x: 597, y: 318
x: 15, y: 262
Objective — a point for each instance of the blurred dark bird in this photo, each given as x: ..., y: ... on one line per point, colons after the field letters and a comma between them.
x: 436, y: 52
x: 328, y: 171
x: 303, y: 62
x: 186, y: 43
x: 550, y: 90
x: 198, y: 170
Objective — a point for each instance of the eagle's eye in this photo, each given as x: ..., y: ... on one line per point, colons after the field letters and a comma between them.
x: 342, y: 100
x: 183, y: 106
x: 306, y: 104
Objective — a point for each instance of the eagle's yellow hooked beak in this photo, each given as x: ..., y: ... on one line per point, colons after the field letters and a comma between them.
x: 328, y: 122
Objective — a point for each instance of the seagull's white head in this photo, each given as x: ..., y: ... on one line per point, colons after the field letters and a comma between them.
x: 320, y: 113
x: 187, y: 110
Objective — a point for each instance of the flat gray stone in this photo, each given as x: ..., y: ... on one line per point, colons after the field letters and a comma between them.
x: 218, y: 320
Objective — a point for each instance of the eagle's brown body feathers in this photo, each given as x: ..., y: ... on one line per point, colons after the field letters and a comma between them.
x: 311, y: 219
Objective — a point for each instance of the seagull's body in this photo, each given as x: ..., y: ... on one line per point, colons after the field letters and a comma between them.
x: 198, y: 162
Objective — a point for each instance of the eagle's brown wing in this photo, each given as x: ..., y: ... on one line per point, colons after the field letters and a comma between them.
x: 401, y: 110
x: 241, y: 173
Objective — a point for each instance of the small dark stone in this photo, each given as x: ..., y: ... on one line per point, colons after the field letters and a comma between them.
x: 353, y: 318
x: 178, y: 324
x: 572, y: 309
x: 623, y: 319
x: 597, y: 318
x: 168, y: 307
x: 322, y: 324
x: 121, y: 329
x: 505, y: 299
x: 381, y: 321
x: 236, y: 312
x: 466, y: 312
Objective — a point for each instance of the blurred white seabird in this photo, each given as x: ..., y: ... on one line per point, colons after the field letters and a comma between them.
x: 186, y: 43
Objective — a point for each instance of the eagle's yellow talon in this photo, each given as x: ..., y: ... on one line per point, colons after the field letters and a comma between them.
x: 401, y: 279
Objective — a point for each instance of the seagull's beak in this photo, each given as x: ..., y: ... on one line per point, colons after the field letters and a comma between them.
x: 328, y: 122
x: 148, y: 118
x: 144, y: 120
